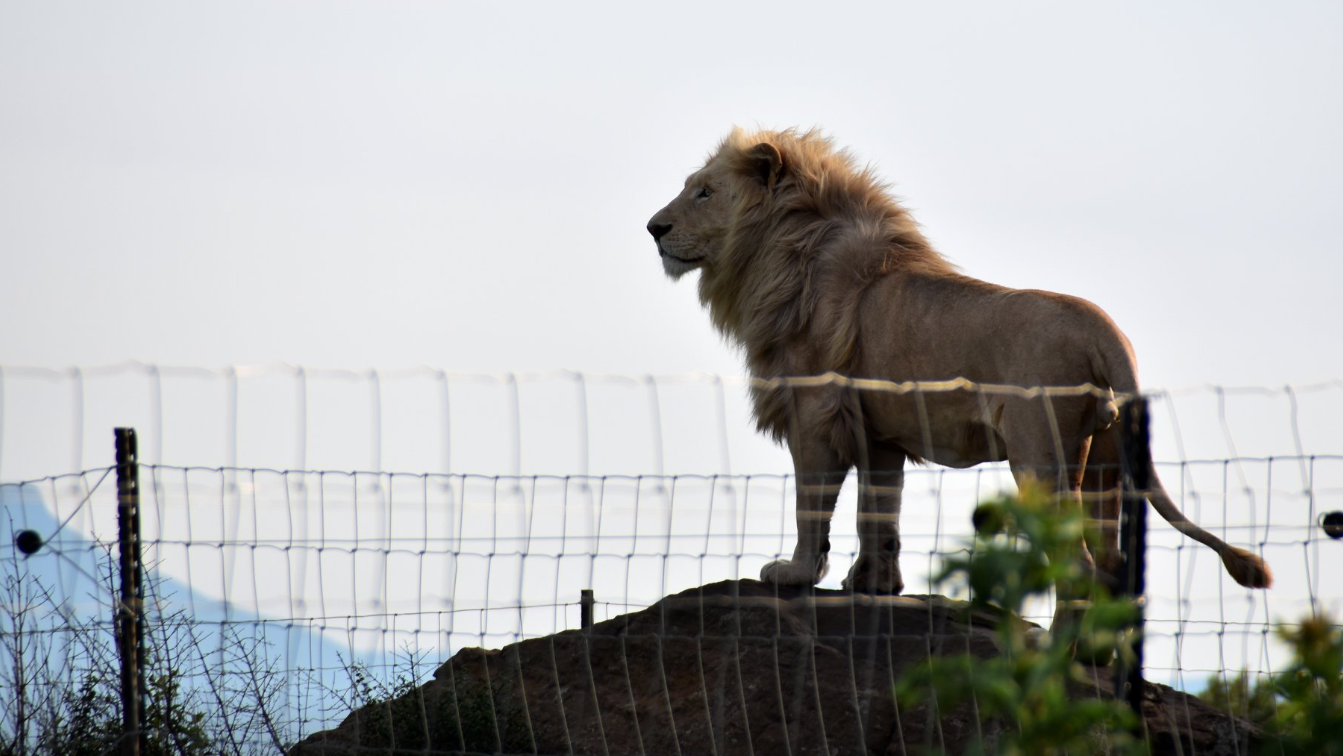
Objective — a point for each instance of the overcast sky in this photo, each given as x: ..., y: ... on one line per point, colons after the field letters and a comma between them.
x: 466, y: 185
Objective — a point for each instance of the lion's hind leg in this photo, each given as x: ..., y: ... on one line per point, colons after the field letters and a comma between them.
x: 1051, y: 456
x: 1101, y: 497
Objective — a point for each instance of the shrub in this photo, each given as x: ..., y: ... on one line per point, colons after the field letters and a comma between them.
x: 1024, y: 547
x: 1309, y: 718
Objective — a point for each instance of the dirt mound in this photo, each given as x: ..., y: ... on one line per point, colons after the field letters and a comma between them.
x: 737, y: 667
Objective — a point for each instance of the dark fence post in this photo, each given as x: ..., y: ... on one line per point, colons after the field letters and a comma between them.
x: 130, y: 607
x: 1137, y: 462
x: 585, y: 604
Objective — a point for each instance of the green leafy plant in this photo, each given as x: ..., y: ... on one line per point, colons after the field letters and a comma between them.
x: 1026, y: 545
x: 1309, y: 717
x: 1237, y: 696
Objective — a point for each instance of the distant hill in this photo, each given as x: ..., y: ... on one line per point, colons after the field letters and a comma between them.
x: 60, y: 597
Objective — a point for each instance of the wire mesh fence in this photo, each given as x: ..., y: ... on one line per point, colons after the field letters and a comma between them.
x: 284, y: 597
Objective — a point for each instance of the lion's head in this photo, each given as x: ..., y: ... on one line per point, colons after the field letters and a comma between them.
x: 693, y: 229
x: 777, y: 221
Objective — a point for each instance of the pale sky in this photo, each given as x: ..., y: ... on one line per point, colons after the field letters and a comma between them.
x: 465, y: 186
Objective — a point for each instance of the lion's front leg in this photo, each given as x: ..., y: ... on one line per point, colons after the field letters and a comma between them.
x: 880, y: 483
x: 819, y: 478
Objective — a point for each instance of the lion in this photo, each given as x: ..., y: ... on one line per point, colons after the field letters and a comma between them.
x: 813, y: 269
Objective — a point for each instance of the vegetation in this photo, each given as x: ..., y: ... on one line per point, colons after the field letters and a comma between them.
x: 1237, y: 696
x: 1309, y: 719
x: 392, y: 713
x: 1025, y: 546
x: 1300, y: 708
x: 60, y: 688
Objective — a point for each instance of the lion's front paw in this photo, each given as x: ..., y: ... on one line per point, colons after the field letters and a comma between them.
x: 875, y: 573
x: 794, y: 571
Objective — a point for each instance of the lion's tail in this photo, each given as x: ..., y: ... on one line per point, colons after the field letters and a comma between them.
x: 1117, y: 369
x: 1245, y: 568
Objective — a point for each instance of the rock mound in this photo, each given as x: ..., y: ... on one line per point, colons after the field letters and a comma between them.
x: 736, y: 667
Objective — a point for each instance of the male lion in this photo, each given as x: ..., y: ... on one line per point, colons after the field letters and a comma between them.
x: 814, y: 269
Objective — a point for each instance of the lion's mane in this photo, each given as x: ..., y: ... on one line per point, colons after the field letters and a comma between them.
x: 798, y: 260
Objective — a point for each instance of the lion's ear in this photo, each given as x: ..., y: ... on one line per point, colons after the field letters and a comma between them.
x: 765, y: 162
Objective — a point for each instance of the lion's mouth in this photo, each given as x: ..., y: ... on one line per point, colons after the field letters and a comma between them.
x: 669, y: 256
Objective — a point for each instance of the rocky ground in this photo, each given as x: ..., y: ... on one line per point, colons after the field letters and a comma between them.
x: 736, y: 667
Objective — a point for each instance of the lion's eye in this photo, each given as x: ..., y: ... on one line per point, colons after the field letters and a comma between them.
x: 704, y: 193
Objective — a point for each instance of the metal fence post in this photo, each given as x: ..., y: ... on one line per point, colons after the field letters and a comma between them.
x: 1137, y: 464
x: 130, y: 606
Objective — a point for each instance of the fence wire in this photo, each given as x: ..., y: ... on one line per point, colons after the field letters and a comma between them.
x: 283, y: 598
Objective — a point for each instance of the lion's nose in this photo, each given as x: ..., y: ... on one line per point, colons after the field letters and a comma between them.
x: 658, y: 230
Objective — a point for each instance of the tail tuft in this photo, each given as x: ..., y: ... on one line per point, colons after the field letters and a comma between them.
x: 1246, y: 568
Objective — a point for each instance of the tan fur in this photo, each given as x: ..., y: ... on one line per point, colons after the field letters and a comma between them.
x: 807, y: 262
